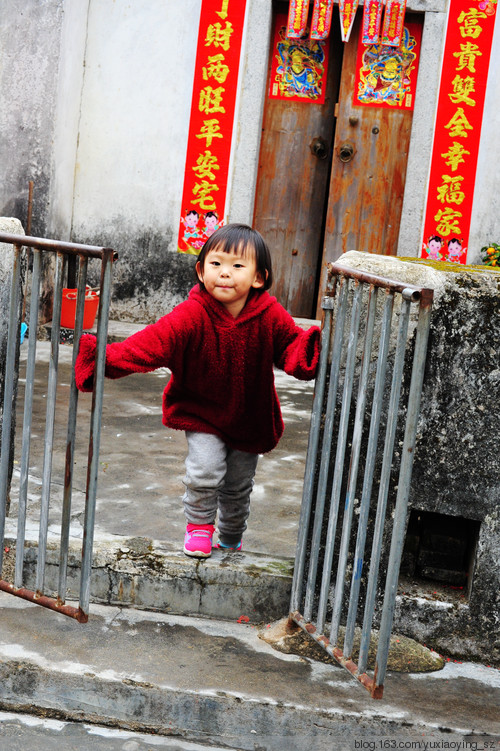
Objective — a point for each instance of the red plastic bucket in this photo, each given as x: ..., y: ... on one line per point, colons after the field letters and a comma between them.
x: 68, y: 308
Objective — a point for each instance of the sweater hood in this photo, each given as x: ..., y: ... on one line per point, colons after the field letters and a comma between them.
x: 255, y: 305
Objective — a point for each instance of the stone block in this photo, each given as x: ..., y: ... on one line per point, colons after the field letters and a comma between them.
x: 456, y: 470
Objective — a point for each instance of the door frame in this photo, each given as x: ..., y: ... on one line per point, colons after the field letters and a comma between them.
x: 298, y: 186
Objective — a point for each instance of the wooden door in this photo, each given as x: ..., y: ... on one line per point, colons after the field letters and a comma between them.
x: 366, y: 191
x: 312, y: 210
x: 292, y: 185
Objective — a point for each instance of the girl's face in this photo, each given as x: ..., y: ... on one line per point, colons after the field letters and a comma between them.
x: 229, y: 277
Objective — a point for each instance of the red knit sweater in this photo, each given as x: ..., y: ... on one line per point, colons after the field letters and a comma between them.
x: 222, y: 367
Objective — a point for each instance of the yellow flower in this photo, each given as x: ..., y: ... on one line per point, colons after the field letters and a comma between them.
x: 490, y: 251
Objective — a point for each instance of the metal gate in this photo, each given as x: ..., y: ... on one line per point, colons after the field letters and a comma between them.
x: 329, y: 577
x: 27, y: 269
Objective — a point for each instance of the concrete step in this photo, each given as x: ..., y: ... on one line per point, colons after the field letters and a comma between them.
x: 138, y: 572
x: 214, y: 682
x: 25, y: 732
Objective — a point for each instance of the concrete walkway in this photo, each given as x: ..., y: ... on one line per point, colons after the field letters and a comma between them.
x: 212, y: 681
x: 142, y: 462
x: 25, y: 732
x: 139, y: 527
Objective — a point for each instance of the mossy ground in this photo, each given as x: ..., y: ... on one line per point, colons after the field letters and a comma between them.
x: 451, y: 267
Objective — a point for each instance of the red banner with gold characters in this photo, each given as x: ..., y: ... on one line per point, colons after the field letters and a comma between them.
x: 457, y: 130
x: 394, y: 17
x: 211, y: 123
x: 297, y: 18
x: 387, y: 76
x: 372, y: 16
x: 321, y: 19
x: 298, y: 66
x: 347, y: 11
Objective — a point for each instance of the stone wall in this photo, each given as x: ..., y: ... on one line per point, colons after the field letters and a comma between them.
x: 456, y: 473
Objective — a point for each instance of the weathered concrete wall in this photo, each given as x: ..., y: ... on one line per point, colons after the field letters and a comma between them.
x: 135, y: 110
x: 13, y: 227
x: 457, y: 465
x: 94, y: 108
x: 65, y: 120
x: 29, y: 40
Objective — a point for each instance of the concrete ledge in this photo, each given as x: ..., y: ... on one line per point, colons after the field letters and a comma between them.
x: 136, y: 573
x: 213, y: 682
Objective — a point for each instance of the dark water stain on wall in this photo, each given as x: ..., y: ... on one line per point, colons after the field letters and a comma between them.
x: 147, y: 274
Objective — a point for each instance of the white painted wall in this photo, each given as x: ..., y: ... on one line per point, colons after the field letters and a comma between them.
x: 135, y: 109
x: 66, y: 121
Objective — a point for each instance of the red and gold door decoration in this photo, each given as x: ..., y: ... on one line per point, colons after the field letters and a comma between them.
x: 347, y: 10
x: 211, y: 123
x: 372, y: 17
x: 298, y: 66
x: 457, y: 130
x: 321, y: 19
x: 297, y: 18
x: 394, y: 16
x: 386, y: 76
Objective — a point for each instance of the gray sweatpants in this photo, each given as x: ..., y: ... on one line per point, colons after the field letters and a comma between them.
x: 218, y: 478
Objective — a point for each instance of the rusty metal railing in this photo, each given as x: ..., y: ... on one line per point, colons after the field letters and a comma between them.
x: 346, y: 444
x: 61, y: 251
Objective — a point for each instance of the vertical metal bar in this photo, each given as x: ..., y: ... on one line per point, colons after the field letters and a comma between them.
x: 371, y: 453
x: 353, y: 468
x: 49, y: 425
x: 392, y: 418
x: 326, y: 447
x: 70, y: 439
x: 95, y: 430
x: 408, y: 454
x: 28, y: 414
x: 340, y: 454
x: 10, y: 364
x: 312, y: 452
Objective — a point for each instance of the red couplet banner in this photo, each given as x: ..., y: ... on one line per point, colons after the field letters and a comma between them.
x: 211, y: 124
x: 347, y: 12
x: 394, y: 17
x: 297, y: 18
x: 321, y: 19
x: 458, y: 129
x: 372, y: 19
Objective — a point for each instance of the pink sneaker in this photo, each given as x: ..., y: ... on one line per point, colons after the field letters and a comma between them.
x: 198, y: 540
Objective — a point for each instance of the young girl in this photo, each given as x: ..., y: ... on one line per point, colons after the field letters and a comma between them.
x: 220, y: 345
